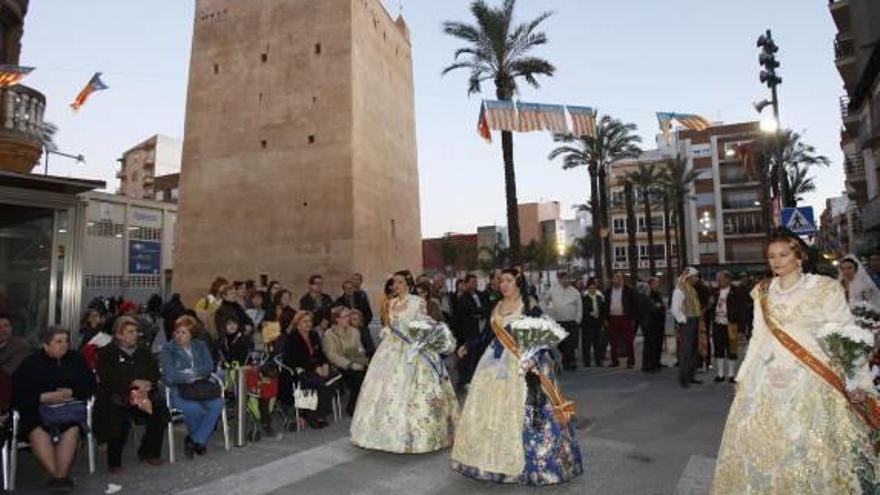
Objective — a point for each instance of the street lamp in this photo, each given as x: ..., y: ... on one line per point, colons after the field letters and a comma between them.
x: 79, y: 158
x: 768, y: 76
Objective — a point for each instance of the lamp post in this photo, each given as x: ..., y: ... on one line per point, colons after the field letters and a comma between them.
x: 768, y: 76
x: 79, y: 158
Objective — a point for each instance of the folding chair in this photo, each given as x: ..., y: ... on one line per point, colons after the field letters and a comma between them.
x: 177, y: 417
x: 336, y: 403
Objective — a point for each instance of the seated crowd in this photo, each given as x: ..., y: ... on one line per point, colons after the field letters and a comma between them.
x: 125, y: 360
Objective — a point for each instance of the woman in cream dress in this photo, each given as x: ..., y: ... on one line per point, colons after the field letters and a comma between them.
x: 508, y: 431
x: 789, y: 431
x: 405, y: 406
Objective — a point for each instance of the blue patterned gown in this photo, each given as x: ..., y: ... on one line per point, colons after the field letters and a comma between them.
x: 508, y: 431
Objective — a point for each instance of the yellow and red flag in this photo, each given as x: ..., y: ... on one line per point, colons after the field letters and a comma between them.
x: 583, y: 120
x: 94, y: 84
x: 13, y: 74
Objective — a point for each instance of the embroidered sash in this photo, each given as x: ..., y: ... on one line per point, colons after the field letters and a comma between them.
x: 869, y: 410
x: 438, y: 366
x: 563, y: 409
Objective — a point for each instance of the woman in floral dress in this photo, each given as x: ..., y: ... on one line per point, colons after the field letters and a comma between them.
x: 794, y: 426
x: 509, y: 432
x: 406, y: 406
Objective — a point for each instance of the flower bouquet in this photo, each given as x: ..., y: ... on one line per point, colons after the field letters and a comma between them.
x: 534, y: 335
x: 428, y: 336
x: 866, y: 316
x: 849, y: 348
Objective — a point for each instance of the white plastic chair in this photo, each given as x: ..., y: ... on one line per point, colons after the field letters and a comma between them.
x: 177, y: 417
x: 10, y: 448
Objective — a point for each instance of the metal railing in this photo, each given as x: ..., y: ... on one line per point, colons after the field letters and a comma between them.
x: 738, y: 204
x: 854, y: 165
x: 843, y: 47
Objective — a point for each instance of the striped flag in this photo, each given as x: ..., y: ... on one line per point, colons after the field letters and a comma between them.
x: 94, y: 84
x: 529, y: 117
x: 483, y: 125
x: 500, y: 115
x: 553, y: 118
x: 583, y: 121
x: 12, y: 74
x: 692, y: 122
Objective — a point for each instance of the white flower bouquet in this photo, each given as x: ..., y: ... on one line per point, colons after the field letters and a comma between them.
x: 429, y: 336
x: 866, y: 316
x: 848, y: 346
x: 534, y: 335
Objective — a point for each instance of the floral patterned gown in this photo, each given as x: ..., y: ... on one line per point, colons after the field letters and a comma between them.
x: 404, y: 407
x: 508, y: 431
x: 788, y: 431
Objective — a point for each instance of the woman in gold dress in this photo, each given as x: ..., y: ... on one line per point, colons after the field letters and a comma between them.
x: 794, y: 427
x: 509, y: 432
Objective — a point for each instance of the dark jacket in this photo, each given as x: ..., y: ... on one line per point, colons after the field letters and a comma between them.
x: 359, y: 302
x: 657, y: 309
x: 737, y: 310
x: 468, y: 326
x: 297, y: 355
x: 230, y: 310
x: 116, y: 370
x: 39, y: 374
x: 178, y: 367
x: 320, y: 309
x: 587, y: 304
x: 629, y: 299
x: 235, y: 348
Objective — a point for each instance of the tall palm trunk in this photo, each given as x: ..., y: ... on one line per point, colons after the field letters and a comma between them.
x: 597, y: 226
x: 603, y: 214
x: 631, y: 227
x: 682, y: 235
x: 512, y: 203
x: 646, y: 201
x: 668, y: 241
x: 766, y: 208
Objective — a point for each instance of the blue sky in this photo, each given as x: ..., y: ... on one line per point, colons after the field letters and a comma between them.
x: 629, y: 58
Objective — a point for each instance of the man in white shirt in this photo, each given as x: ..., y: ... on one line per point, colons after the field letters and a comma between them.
x: 686, y: 311
x: 563, y: 304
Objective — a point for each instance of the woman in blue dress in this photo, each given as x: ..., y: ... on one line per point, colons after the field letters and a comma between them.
x: 509, y: 430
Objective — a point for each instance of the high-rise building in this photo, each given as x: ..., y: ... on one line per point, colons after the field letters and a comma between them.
x: 835, y: 230
x: 724, y: 221
x: 532, y: 215
x: 857, y: 57
x: 144, y: 166
x: 299, y: 152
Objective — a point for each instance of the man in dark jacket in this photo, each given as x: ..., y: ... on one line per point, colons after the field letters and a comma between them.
x: 353, y: 298
x: 655, y: 328
x: 127, y: 388
x: 726, y: 314
x: 593, y: 332
x: 623, y: 313
x: 316, y: 301
x: 470, y: 313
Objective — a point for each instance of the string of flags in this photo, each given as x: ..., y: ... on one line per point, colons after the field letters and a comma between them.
x: 94, y: 84
x: 500, y: 115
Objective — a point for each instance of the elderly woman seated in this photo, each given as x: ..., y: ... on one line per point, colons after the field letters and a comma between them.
x: 56, y: 378
x: 187, y: 368
x: 302, y: 350
x: 345, y: 350
x: 127, y: 391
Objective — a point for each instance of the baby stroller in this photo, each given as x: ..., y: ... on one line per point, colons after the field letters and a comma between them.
x: 261, y: 381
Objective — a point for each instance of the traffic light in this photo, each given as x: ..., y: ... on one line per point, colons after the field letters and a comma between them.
x: 768, y: 61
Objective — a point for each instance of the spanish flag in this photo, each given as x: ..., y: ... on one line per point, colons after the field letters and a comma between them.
x: 12, y: 74
x: 95, y: 84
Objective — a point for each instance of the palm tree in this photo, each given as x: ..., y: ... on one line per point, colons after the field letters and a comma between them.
x: 613, y: 141
x: 676, y: 181
x: 667, y: 231
x: 47, y: 135
x: 646, y: 178
x: 799, y: 183
x: 498, y: 50
x: 632, y: 251
x: 450, y: 252
x: 493, y: 257
x: 785, y: 152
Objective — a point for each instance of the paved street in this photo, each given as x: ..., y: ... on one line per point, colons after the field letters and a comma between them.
x: 642, y: 434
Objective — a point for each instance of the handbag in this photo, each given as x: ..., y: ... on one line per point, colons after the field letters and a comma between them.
x: 64, y: 413
x: 199, y: 390
x: 305, y: 398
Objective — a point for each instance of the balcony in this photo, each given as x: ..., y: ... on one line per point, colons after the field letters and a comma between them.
x: 854, y: 166
x: 845, y: 59
x: 850, y: 119
x: 840, y: 13
x: 741, y: 204
x: 736, y: 177
x: 21, y: 123
x: 737, y: 230
x: 869, y: 218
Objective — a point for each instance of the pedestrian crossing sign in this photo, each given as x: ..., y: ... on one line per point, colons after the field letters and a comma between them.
x: 799, y: 220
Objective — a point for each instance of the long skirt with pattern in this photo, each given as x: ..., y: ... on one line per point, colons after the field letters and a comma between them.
x: 403, y: 406
x: 509, y: 433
